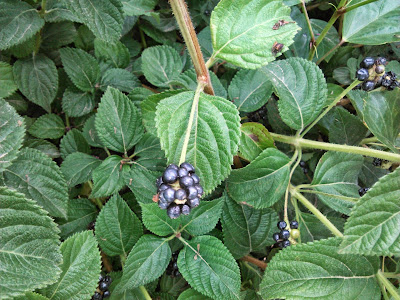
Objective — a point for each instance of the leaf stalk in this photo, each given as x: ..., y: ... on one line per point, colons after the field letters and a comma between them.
x: 388, y: 285
x: 262, y: 265
x: 145, y: 292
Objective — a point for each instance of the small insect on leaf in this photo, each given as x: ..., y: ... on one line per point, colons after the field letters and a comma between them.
x: 276, y: 48
x: 279, y: 24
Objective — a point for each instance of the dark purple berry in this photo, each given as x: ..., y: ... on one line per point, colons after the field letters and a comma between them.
x: 180, y: 194
x: 362, y: 74
x: 294, y: 225
x: 186, y: 181
x: 107, y: 279
x: 199, y: 190
x: 285, y: 234
x: 182, y: 172
x: 281, y: 225
x: 381, y: 61
x: 303, y: 164
x: 159, y: 181
x: 170, y: 175
x: 363, y: 191
x: 196, y: 178
x: 177, y: 273
x: 185, y: 209
x: 276, y: 237
x: 103, y: 286
x: 163, y: 187
x: 106, y: 294
x: 386, y: 81
x: 91, y: 225
x: 101, y: 278
x: 368, y: 85
x: 193, y: 202
x: 162, y: 203
x: 379, y: 69
x: 169, y: 195
x: 97, y: 296
x: 187, y: 166
x: 377, y: 162
x: 285, y: 244
x: 173, y: 166
x: 192, y: 192
x: 367, y: 62
x: 174, y: 211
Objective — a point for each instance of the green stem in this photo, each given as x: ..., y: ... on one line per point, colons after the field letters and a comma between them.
x: 97, y: 201
x: 142, y: 37
x: 303, y: 6
x: 349, y: 199
x: 370, y: 140
x: 296, y: 157
x: 324, y: 220
x: 67, y: 121
x: 388, y: 285
x: 122, y: 259
x: 391, y: 275
x: 351, y: 7
x: 145, y: 292
x: 107, y: 151
x: 330, y: 51
x: 336, y: 100
x: 42, y: 11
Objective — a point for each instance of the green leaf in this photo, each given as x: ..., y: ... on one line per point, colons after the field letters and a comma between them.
x: 78, y: 168
x: 214, y: 135
x: 157, y: 221
x: 311, y: 229
x: 48, y: 126
x: 209, y: 268
x: 262, y: 182
x: 80, y: 256
x: 336, y: 179
x: 108, y: 178
x: 37, y: 79
x: 43, y: 146
x: 249, y: 90
x: 118, y: 122
x: 56, y: 35
x: 31, y: 296
x: 103, y: 17
x: 90, y: 132
x: 72, y: 142
x: 301, y: 88
x: 373, y: 223
x: 382, y: 116
x: 161, y: 65
x: 247, y: 229
x: 18, y: 102
x: 76, y: 103
x: 85, y: 39
x: 84, y: 75
x: 117, y: 227
x: 146, y: 262
x: 19, y: 21
x: 138, y: 7
x: 369, y: 173
x: 12, y: 132
x: 372, y: 24
x: 149, y: 153
x: 29, y: 245
x: 7, y: 83
x: 300, y: 271
x: 115, y: 53
x: 39, y: 178
x: 253, y: 140
x: 242, y: 33
x: 191, y: 294
x: 142, y: 183
x: 120, y: 79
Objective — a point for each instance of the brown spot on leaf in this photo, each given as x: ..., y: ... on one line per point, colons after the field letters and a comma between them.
x: 254, y: 137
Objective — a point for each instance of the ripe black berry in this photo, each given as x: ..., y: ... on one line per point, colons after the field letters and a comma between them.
x: 163, y: 187
x: 177, y: 273
x: 106, y: 294
x: 187, y: 166
x: 381, y: 61
x: 173, y: 166
x: 363, y: 191
x: 173, y: 211
x: 97, y: 296
x: 194, y: 202
x: 185, y: 209
x: 281, y: 225
x: 182, y: 172
x: 172, y: 268
x: 285, y: 244
x: 377, y: 162
x: 199, y: 190
x: 180, y: 194
x: 186, y: 181
x: 103, y: 286
x: 367, y: 62
x: 192, y: 192
x: 159, y: 181
x: 303, y: 164
x: 294, y: 225
x: 170, y: 175
x: 379, y: 69
x: 169, y: 195
x: 195, y: 178
x: 162, y: 203
x: 368, y: 85
x: 362, y: 74
x: 285, y: 234
x: 276, y: 236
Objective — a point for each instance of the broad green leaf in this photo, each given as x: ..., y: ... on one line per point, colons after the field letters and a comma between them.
x: 242, y: 33
x: 191, y: 294
x: 80, y: 256
x: 138, y: 7
x: 81, y: 212
x: 346, y: 128
x: 301, y: 88
x: 56, y: 11
x: 142, y: 182
x: 214, y: 134
x: 72, y: 142
x: 382, y: 116
x: 39, y: 178
x: 147, y: 261
x: 254, y: 139
x: 7, y: 83
x: 18, y: 102
x: 161, y: 65
x: 78, y: 168
x: 172, y: 285
x: 262, y: 182
x: 18, y: 22
x: 108, y: 178
x: 118, y: 122
x: 369, y: 173
x: 48, y: 126
x: 85, y: 74
x: 249, y: 90
x: 157, y: 221
x: 56, y: 35
x: 358, y: 98
x: 29, y: 245
x: 43, y: 146
x: 372, y: 24
x: 335, y: 180
x: 372, y: 228
x: 247, y: 229
x: 330, y: 40
x: 77, y: 103
x: 37, y: 79
x: 149, y: 154
x: 311, y: 229
x: 85, y: 39
x: 103, y: 17
x: 115, y: 53
x: 210, y: 268
x: 316, y: 270
x: 120, y: 79
x: 31, y: 296
x: 117, y: 227
x: 12, y: 131
x: 90, y: 133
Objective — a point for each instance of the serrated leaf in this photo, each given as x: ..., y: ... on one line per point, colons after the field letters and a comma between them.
x: 43, y: 146
x: 18, y: 22
x: 157, y: 221
x: 18, y: 102
x: 161, y: 65
x: 209, y: 268
x: 191, y: 294
x: 40, y: 179
x: 90, y: 132
x: 78, y: 168
x: 80, y: 256
x: 253, y: 140
x: 346, y: 128
x: 103, y: 17
x: 84, y: 75
x: 31, y: 296
x: 48, y: 126
x: 117, y: 227
x: 12, y: 131
x: 372, y: 24
x: 108, y: 178
x: 77, y: 103
x: 55, y: 35
x: 372, y: 228
x: 73, y: 141
x: 149, y: 153
x: 120, y: 79
x: 146, y: 262
x: 249, y: 90
x: 85, y: 38
x: 115, y: 53
x: 37, y: 79
x: 247, y: 229
x: 138, y: 7
x: 336, y: 179
x: 7, y: 83
x: 300, y: 271
x: 242, y: 33
x: 301, y: 88
x: 262, y: 182
x: 214, y: 135
x: 142, y: 183
x: 311, y: 229
x: 118, y: 122
x: 28, y: 238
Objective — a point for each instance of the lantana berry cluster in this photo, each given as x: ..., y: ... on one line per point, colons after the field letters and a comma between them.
x: 179, y: 190
x: 282, y: 237
x: 102, y: 290
x: 372, y: 73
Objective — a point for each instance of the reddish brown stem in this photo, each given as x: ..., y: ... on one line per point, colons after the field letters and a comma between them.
x: 255, y: 261
x: 106, y: 262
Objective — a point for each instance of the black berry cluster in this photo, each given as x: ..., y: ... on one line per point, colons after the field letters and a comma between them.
x: 258, y: 115
x: 172, y: 269
x: 377, y: 162
x: 282, y: 237
x: 303, y: 166
x: 102, y: 290
x: 372, y: 73
x: 179, y: 190
x: 363, y: 191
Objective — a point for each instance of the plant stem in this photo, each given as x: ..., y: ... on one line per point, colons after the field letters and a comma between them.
x: 182, y: 17
x: 351, y: 7
x: 336, y: 100
x: 107, y: 151
x: 106, y: 262
x: 296, y: 157
x: 324, y: 220
x: 145, y: 292
x: 330, y: 51
x: 370, y: 140
x: 255, y: 261
x: 67, y: 121
x: 122, y: 258
x: 142, y: 37
x: 388, y: 285
x: 303, y: 6
x: 391, y: 275
x: 349, y: 199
